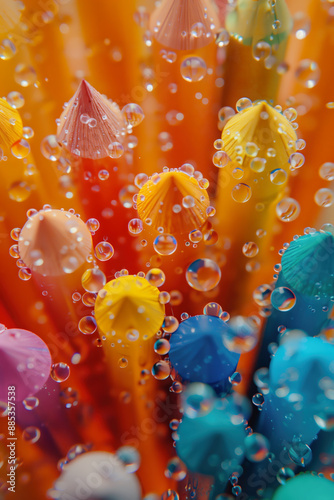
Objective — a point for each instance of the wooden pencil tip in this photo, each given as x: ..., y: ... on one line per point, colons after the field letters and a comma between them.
x: 90, y: 123
x: 184, y: 24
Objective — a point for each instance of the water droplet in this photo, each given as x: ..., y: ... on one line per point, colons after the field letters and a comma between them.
x: 278, y: 176
x: 170, y: 324
x: 243, y: 103
x: 287, y: 209
x: 161, y: 370
x: 20, y: 149
x: 31, y: 434
x: 284, y: 474
x: 300, y: 453
x: 115, y: 150
x: 326, y: 171
x: 104, y: 251
x: 93, y: 280
x: 93, y: 225
x: 257, y: 164
x: 25, y: 75
x: 261, y: 50
x: 69, y: 397
x: 283, y: 299
x: 156, y: 277
x: 162, y: 347
x: 175, y: 469
x: 30, y: 403
x: 7, y: 49
x: 60, y: 372
x: 324, y: 197
x: 15, y: 99
x: 308, y: 73
x: 258, y: 399
x: 130, y: 458
x: 195, y: 236
x: 223, y: 38
x: 50, y: 148
x: 220, y: 159
x: 19, y: 191
x: 250, y: 249
x: 213, y: 309
x: 165, y: 244
x: 135, y: 226
x: 256, y: 447
x: 242, y: 336
x: 296, y: 160
x: 203, y: 275
x: 170, y: 495
x: 261, y: 295
x: 198, y: 400
x: 193, y: 69
x: 301, y: 25
x: 241, y: 193
x: 87, y: 325
x: 133, y: 114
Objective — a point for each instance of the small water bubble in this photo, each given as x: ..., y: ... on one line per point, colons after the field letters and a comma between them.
x: 301, y: 25
x: 278, y: 176
x: 93, y: 280
x: 243, y: 103
x: 296, y: 160
x: 156, y: 277
x: 326, y: 171
x: 20, y: 149
x: 115, y: 150
x: 203, y: 275
x: 287, y: 209
x: 213, y: 309
x: 258, y: 400
x: 170, y: 495
x: 25, y: 75
x: 257, y: 164
x: 283, y: 299
x: 241, y: 193
x: 284, y: 474
x: 223, y: 38
x: 69, y: 397
x: 250, y: 249
x: 161, y: 370
x: 30, y: 403
x: 15, y: 99
x: 133, y: 114
x: 135, y: 226
x: 87, y: 325
x: 50, y: 148
x: 31, y: 434
x: 193, y: 69
x: 308, y: 73
x: 220, y: 159
x: 256, y: 447
x: 130, y: 458
x: 60, y: 372
x: 242, y: 336
x: 175, y: 469
x: 300, y: 453
x: 261, y: 50
x: 165, y: 244
x: 7, y: 49
x: 162, y: 347
x: 104, y: 251
x: 195, y: 236
x: 324, y: 197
